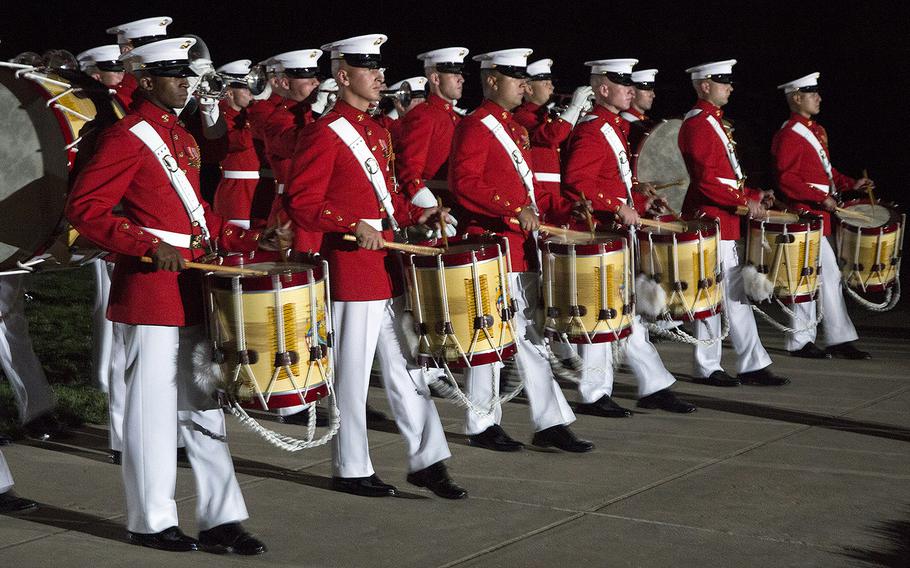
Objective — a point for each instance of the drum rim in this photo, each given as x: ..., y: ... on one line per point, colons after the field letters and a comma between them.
x: 890, y: 226
x: 708, y: 229
x: 507, y: 351
x: 616, y: 243
x: 485, y: 251
x: 289, y: 398
x: 300, y: 278
x: 606, y: 336
x: 806, y: 223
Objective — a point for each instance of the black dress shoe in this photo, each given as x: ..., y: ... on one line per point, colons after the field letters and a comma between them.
x: 495, y: 438
x: 810, y: 351
x: 172, y: 540
x: 847, y: 351
x: 302, y: 418
x: 12, y: 503
x: 370, y: 486
x: 115, y: 457
x: 666, y: 400
x: 230, y: 537
x: 561, y: 437
x: 436, y: 479
x: 604, y: 406
x: 762, y: 378
x: 45, y: 428
x: 717, y: 379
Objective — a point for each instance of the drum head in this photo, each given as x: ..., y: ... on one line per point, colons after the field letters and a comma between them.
x: 879, y: 215
x: 34, y: 170
x: 659, y: 161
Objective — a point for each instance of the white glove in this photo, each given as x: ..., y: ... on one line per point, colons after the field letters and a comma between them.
x: 209, y: 110
x: 393, y: 114
x: 424, y: 198
x: 322, y: 100
x: 451, y: 223
x: 459, y: 110
x: 579, y: 100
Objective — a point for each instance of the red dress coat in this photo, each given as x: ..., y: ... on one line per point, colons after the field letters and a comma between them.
x: 125, y: 90
x: 706, y: 160
x: 329, y: 192
x: 483, y: 180
x: 240, y: 198
x: 547, y: 134
x: 799, y: 170
x: 591, y: 168
x: 422, y: 148
x: 124, y: 171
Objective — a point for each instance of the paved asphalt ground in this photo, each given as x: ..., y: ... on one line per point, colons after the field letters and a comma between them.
x: 816, y: 473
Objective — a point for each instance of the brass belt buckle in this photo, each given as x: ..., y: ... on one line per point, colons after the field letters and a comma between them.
x: 196, y: 242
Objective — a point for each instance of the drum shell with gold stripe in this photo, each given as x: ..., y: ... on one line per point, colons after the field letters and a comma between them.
x: 450, y: 282
x: 672, y: 260
x: 587, y: 289
x: 788, y: 255
x: 857, y: 244
x: 294, y: 288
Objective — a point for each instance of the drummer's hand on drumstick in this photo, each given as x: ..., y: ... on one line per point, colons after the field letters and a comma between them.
x: 645, y: 188
x: 756, y: 209
x: 656, y: 205
x: 368, y: 237
x: 767, y: 198
x: 582, y: 208
x: 528, y: 219
x: 864, y: 184
x: 829, y: 204
x: 627, y: 215
x: 280, y: 237
x: 167, y: 258
x: 430, y: 215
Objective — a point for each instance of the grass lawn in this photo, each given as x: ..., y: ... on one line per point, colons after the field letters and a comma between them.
x: 58, y: 306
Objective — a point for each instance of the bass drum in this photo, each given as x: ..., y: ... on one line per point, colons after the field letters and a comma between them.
x: 42, y: 116
x: 657, y: 160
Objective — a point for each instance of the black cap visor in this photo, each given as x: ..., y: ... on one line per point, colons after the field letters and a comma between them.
x: 114, y: 66
x: 644, y: 86
x: 365, y: 60
x: 456, y: 68
x: 173, y: 68
x: 512, y: 71
x: 725, y: 78
x: 808, y: 89
x: 542, y: 77
x: 624, y: 79
x: 302, y: 72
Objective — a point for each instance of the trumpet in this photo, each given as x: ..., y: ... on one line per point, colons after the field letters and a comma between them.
x: 213, y: 84
x: 402, y: 95
x: 560, y: 102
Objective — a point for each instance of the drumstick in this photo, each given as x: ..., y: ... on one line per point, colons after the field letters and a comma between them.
x: 404, y: 247
x: 855, y: 214
x: 779, y: 216
x: 869, y: 188
x: 588, y: 215
x: 669, y: 184
x: 673, y: 227
x: 554, y: 230
x: 442, y: 224
x: 215, y: 267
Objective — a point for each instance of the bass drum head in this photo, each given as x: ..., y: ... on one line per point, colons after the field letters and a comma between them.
x: 34, y: 170
x: 659, y: 161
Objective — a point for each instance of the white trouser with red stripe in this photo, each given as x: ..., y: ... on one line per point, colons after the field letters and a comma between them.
x: 547, y: 403
x: 6, y: 476
x: 33, y: 395
x: 836, y: 321
x: 639, y: 353
x: 364, y: 329
x: 751, y: 355
x: 163, y: 401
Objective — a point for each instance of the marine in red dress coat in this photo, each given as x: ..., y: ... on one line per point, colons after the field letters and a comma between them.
x: 425, y: 142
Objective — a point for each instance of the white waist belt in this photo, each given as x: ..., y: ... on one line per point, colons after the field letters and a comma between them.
x: 547, y: 177
x: 179, y: 240
x: 731, y: 182
x: 242, y: 223
x: 375, y: 223
x: 240, y: 174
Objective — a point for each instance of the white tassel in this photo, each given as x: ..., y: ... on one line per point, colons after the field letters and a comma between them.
x: 757, y: 285
x: 411, y: 337
x: 650, y: 297
x: 207, y: 374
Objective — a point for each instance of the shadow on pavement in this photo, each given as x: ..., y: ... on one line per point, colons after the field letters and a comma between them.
x: 894, y: 534
x: 75, y: 521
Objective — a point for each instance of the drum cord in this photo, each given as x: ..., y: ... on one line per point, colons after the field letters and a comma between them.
x: 289, y: 443
x: 449, y: 389
x: 786, y: 329
x: 681, y: 336
x: 892, y: 296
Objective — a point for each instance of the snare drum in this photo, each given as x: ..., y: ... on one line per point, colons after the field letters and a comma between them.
x: 272, y: 334
x: 687, y: 267
x: 787, y: 254
x: 587, y: 289
x: 868, y: 252
x: 462, y: 304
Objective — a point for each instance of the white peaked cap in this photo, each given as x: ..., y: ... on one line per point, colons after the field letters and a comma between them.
x: 89, y: 57
x: 517, y: 57
x: 298, y: 59
x: 621, y: 66
x: 173, y: 49
x: 644, y: 76
x: 416, y: 84
x: 810, y: 80
x: 540, y: 67
x: 147, y: 27
x: 240, y: 68
x: 444, y: 55
x: 366, y: 44
x: 705, y: 70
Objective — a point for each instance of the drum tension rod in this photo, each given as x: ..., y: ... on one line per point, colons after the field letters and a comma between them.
x: 607, y: 314
x: 248, y: 357
x: 578, y: 311
x: 680, y: 285
x: 483, y: 322
x: 704, y: 283
x: 286, y: 358
x: 315, y: 353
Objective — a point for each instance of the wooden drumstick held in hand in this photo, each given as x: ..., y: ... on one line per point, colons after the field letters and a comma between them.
x: 403, y: 247
x: 214, y: 267
x: 442, y: 224
x: 667, y: 185
x: 588, y: 217
x: 777, y: 216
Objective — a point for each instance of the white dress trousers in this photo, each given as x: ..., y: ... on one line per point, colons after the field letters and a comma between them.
x: 33, y: 394
x: 162, y: 399
x: 835, y: 319
x: 639, y: 353
x: 743, y: 331
x: 547, y: 403
x: 6, y: 476
x: 362, y: 330
x: 108, y: 353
